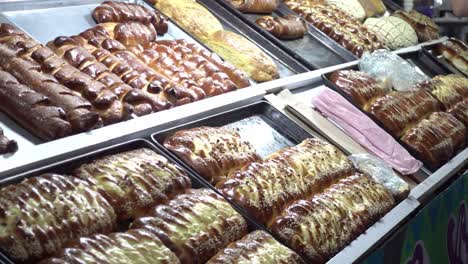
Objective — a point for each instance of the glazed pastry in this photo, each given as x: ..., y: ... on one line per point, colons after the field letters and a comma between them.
x: 352, y: 7
x: 447, y: 89
x: 359, y: 86
x: 114, y: 11
x: 128, y: 33
x: 425, y: 28
x: 134, y: 180
x: 460, y: 111
x: 456, y: 52
x: 257, y: 247
x: 339, y: 26
x: 288, y: 27
x: 400, y: 111
x: 32, y: 110
x: 265, y: 188
x: 395, y: 32
x: 319, y: 227
x: 191, y: 16
x: 244, y: 55
x: 255, y: 6
x: 373, y: 7
x: 42, y: 214
x: 7, y: 145
x: 133, y: 246
x: 195, y: 226
x: 437, y: 138
x: 213, y: 152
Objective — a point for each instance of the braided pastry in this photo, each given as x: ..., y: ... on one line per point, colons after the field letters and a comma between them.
x: 257, y: 247
x: 41, y: 214
x: 287, y: 27
x: 320, y: 227
x: 195, y: 226
x: 135, y: 180
x: 213, y: 152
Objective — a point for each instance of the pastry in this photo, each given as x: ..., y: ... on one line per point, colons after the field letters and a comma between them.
x: 460, y: 111
x: 456, y: 52
x: 257, y: 247
x: 244, y: 55
x: 114, y: 11
x: 42, y: 214
x: 263, y: 189
x: 135, y: 180
x: 395, y: 32
x: 436, y: 139
x: 133, y: 246
x: 255, y: 6
x: 373, y: 7
x: 191, y: 16
x: 287, y: 27
x: 7, y: 145
x: 319, y: 227
x: 195, y: 226
x: 352, y: 7
x: 128, y: 33
x: 447, y: 89
x: 360, y: 87
x: 32, y: 110
x: 425, y: 28
x: 211, y: 151
x: 400, y: 111
x: 338, y: 25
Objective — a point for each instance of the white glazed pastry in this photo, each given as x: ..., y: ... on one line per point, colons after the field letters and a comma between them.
x: 393, y: 31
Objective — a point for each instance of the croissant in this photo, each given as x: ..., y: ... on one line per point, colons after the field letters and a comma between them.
x: 319, y: 227
x: 195, y: 226
x: 400, y: 111
x: 42, y: 214
x: 263, y: 189
x: 213, y: 152
x: 257, y: 247
x: 113, y: 11
x: 32, y: 110
x: 135, y: 180
x: 132, y: 246
x: 7, y: 145
x: 78, y: 110
x: 255, y: 6
x: 359, y: 86
x: 437, y: 138
x: 287, y: 27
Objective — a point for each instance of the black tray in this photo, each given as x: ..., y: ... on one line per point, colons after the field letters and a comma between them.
x: 65, y: 166
x: 437, y: 58
x: 422, y: 60
x: 315, y: 50
x: 392, y: 6
x: 287, y: 65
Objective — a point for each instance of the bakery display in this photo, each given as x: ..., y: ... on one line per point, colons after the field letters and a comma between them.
x: 460, y: 111
x: 232, y: 47
x: 257, y: 247
x: 264, y: 188
x: 447, y: 89
x: 287, y: 27
x: 7, y: 145
x: 338, y: 25
x: 425, y: 28
x: 456, y: 52
x: 213, y: 152
x: 195, y: 225
x: 133, y: 246
x: 437, y: 138
x: 113, y: 11
x: 135, y: 180
x: 42, y: 214
x: 255, y: 6
x: 359, y: 86
x: 373, y: 8
x: 319, y: 227
x: 352, y: 7
x: 394, y: 32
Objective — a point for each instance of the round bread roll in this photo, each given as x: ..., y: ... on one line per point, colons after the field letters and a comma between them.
x: 393, y: 31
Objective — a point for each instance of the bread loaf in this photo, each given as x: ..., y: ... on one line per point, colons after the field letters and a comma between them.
x: 456, y: 52
x: 425, y: 28
x: 460, y: 111
x: 448, y: 89
x: 287, y: 27
x: 255, y: 6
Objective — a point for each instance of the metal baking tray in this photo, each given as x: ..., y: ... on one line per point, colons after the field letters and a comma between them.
x: 422, y: 62
x: 432, y: 52
x: 287, y: 65
x: 67, y: 165
x: 313, y: 50
x: 426, y: 169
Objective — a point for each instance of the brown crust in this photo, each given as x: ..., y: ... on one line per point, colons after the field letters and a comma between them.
x: 286, y: 27
x: 255, y: 6
x: 425, y: 28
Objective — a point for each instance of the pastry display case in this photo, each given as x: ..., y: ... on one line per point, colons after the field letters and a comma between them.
x: 196, y: 131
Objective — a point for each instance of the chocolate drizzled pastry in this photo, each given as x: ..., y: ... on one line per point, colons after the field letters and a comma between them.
x: 287, y: 27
